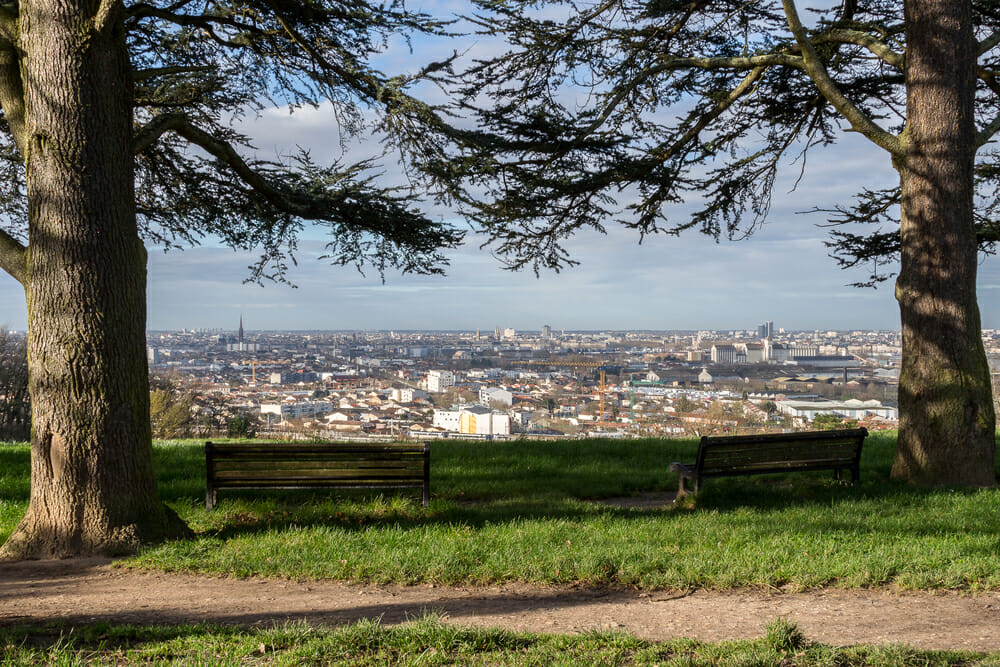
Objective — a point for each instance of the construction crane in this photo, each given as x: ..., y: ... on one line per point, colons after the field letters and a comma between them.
x: 253, y: 370
x: 253, y: 363
x: 577, y: 364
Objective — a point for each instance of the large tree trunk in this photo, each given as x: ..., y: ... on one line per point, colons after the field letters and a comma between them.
x: 946, y: 430
x: 92, y: 484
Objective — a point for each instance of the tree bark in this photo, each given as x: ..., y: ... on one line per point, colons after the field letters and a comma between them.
x: 947, y: 423
x: 92, y: 484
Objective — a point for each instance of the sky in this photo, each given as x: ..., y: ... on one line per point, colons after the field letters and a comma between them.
x: 782, y: 273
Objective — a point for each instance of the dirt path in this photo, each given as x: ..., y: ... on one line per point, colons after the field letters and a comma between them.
x: 84, y: 591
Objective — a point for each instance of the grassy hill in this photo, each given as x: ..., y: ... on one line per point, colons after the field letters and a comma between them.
x: 540, y: 512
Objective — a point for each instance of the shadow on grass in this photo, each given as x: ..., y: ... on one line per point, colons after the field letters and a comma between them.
x: 476, y: 484
x: 15, y: 472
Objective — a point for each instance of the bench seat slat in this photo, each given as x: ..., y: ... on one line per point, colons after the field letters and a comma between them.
x: 314, y: 466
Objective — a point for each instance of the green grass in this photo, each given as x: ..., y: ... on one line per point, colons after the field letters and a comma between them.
x: 428, y: 641
x: 532, y: 511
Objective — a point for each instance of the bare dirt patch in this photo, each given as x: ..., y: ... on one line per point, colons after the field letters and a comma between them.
x: 84, y: 591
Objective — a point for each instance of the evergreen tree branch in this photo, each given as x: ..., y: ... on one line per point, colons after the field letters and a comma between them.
x: 876, y: 46
x: 818, y: 73
x: 984, y: 136
x: 736, y: 63
x: 148, y: 134
x: 368, y: 225
x: 153, y: 72
x: 107, y: 13
x: 986, y: 133
x: 745, y: 86
x: 12, y: 92
x: 13, y: 256
x: 989, y: 43
x: 293, y: 203
x: 787, y: 58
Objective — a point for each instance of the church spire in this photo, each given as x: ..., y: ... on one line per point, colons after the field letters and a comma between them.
x: 241, y: 329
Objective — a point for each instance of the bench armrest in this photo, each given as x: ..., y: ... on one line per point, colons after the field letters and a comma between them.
x: 684, y: 469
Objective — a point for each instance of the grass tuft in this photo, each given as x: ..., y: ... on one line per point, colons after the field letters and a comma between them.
x: 783, y: 635
x: 426, y: 641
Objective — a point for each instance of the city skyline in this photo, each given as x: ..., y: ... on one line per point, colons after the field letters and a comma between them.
x: 781, y: 273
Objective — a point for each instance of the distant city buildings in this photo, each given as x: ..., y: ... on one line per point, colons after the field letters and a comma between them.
x: 473, y: 420
x: 294, y: 377
x: 808, y: 410
x: 439, y: 381
x: 543, y: 383
x: 296, y: 409
x: 489, y: 396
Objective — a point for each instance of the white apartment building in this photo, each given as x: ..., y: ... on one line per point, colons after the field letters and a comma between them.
x: 447, y: 419
x: 724, y: 354
x: 803, y: 350
x: 438, y: 381
x: 776, y: 352
x: 850, y: 409
x: 755, y: 353
x: 474, y: 420
x: 483, y: 421
x: 490, y: 395
x: 406, y: 394
x: 296, y: 409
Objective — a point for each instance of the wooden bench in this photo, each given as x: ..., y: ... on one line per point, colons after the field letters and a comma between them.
x: 731, y: 456
x: 291, y: 465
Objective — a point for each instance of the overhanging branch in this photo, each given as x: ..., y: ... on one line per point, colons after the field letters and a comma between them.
x: 818, y: 73
x: 291, y: 202
x: 154, y: 129
x: 737, y: 63
x: 720, y: 107
x: 153, y: 72
x: 12, y: 91
x: 13, y: 256
x: 984, y: 135
x: 182, y: 125
x: 988, y: 43
x: 107, y: 12
x: 868, y: 41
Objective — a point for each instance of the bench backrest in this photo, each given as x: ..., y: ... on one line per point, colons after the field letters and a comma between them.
x: 280, y: 465
x: 780, y: 452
